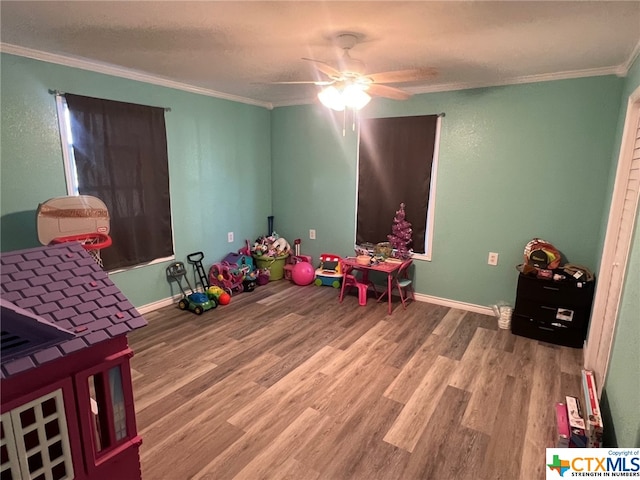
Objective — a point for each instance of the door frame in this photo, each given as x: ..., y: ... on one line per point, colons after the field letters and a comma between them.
x: 597, y: 351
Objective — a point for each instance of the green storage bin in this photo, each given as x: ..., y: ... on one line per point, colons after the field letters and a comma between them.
x: 275, y: 265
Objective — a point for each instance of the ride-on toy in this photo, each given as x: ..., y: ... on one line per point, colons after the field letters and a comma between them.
x: 197, y: 302
x: 328, y: 273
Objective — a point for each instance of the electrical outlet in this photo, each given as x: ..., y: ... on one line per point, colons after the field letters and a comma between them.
x: 493, y: 258
x: 230, y: 237
x: 312, y: 234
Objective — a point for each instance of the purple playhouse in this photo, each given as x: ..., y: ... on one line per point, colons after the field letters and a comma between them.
x: 66, y: 397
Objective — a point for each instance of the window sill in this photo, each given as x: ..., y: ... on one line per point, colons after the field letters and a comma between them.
x: 141, y: 265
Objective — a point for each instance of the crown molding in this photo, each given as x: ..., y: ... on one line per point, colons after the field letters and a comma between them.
x: 632, y: 58
x: 447, y: 87
x: 295, y: 103
x: 83, y: 64
x: 107, y: 69
x: 620, y: 71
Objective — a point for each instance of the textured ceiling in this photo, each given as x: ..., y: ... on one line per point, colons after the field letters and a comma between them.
x: 234, y: 49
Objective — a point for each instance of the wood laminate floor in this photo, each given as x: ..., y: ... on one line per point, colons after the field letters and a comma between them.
x: 287, y: 383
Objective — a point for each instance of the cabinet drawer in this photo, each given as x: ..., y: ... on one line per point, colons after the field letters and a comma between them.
x: 561, y: 313
x: 555, y: 293
x: 547, y: 332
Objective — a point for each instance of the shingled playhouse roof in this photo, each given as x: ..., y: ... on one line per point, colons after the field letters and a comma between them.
x: 63, y: 298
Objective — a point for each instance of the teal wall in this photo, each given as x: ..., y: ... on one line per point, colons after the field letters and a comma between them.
x: 622, y: 385
x: 219, y: 163
x: 516, y: 162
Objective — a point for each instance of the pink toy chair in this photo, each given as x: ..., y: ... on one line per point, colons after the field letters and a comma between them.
x: 349, y: 280
x: 404, y: 284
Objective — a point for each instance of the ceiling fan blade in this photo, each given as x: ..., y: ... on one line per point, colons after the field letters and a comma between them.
x: 387, y: 92
x: 325, y: 68
x: 400, y: 76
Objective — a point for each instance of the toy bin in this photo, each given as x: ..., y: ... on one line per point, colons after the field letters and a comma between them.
x: 275, y: 265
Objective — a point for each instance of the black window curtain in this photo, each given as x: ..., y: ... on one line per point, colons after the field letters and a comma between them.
x: 395, y: 158
x: 120, y: 152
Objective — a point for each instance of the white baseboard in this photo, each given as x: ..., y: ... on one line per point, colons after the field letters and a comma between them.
x: 150, y: 307
x: 455, y: 304
x: 165, y: 302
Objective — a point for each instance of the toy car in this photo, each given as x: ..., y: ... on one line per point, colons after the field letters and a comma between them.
x: 197, y: 302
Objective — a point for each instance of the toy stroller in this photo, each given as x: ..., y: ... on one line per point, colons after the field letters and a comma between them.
x: 197, y: 302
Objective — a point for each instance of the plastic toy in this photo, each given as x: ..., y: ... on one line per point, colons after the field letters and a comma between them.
x: 222, y: 297
x: 197, y: 302
x: 292, y: 260
x: 235, y: 274
x: 240, y: 261
x: 196, y: 260
x: 303, y: 273
x: 250, y: 281
x: 281, y: 246
x: 263, y: 276
x: 271, y: 246
x: 227, y: 277
x: 328, y: 273
x: 243, y: 264
x: 246, y: 250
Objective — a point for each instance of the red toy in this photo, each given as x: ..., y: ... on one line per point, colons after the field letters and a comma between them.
x: 246, y: 250
x: 218, y: 295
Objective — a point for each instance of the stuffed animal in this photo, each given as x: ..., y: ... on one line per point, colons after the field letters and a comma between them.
x: 281, y: 246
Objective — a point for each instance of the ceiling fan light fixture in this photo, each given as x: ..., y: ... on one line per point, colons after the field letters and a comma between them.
x: 351, y: 96
x: 355, y: 97
x: 331, y: 98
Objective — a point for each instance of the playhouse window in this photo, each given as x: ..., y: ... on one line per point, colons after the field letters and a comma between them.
x: 35, y: 442
x: 107, y: 408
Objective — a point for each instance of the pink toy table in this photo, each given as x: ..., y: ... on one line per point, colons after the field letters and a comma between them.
x: 390, y: 268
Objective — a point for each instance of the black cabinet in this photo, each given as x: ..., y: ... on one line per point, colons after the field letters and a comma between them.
x: 554, y: 312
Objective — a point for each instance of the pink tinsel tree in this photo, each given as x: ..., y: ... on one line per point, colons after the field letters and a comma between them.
x: 400, y: 237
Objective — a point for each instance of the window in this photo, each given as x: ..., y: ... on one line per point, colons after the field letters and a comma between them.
x: 106, y: 397
x: 35, y: 441
x: 117, y: 152
x: 397, y: 164
x: 106, y: 411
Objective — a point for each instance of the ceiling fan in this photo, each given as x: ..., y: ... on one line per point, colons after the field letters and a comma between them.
x: 348, y: 86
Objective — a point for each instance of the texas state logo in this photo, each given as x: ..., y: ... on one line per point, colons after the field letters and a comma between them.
x: 558, y: 465
x: 592, y: 462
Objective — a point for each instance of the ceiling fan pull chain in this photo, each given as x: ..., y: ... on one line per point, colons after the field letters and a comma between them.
x: 344, y: 122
